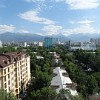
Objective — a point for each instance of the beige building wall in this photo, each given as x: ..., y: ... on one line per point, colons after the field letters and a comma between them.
x: 16, y: 76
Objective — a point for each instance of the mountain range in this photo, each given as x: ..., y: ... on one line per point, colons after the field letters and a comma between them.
x: 8, y: 37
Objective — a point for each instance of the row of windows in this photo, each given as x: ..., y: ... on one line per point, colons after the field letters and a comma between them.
x: 6, y: 77
x: 22, y: 67
x: 21, y: 73
x: 22, y: 78
x: 21, y: 62
x: 7, y: 70
x: 6, y: 84
x: 15, y: 70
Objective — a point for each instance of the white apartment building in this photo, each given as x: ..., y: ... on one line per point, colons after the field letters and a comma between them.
x: 14, y: 71
x: 61, y: 80
x: 40, y: 44
x: 83, y: 46
x: 0, y: 44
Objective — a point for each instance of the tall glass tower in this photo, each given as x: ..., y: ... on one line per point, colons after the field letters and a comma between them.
x: 48, y: 42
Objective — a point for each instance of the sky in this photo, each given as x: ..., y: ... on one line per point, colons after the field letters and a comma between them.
x: 50, y: 17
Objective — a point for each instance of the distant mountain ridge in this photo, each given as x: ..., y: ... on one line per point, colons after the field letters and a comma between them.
x: 8, y: 37
x: 77, y: 37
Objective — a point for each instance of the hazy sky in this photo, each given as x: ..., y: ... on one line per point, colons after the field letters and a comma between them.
x: 47, y: 17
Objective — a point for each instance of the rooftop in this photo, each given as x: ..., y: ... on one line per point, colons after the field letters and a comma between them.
x: 8, y: 58
x: 39, y: 57
x: 61, y: 81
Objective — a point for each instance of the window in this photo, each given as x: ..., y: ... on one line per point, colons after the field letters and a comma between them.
x: 19, y: 89
x: 12, y: 84
x: 15, y: 69
x: 19, y: 84
x: 15, y: 79
x: 8, y: 76
x: 12, y: 66
x: 9, y: 82
x: 21, y: 57
x: 4, y: 71
x: 16, y: 90
x: 8, y: 69
x: 5, y: 78
x: 9, y: 88
x: 5, y: 85
x: 20, y: 62
x: 19, y: 78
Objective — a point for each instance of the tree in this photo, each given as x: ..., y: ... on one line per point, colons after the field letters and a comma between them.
x: 41, y: 80
x: 7, y: 49
x: 92, y: 85
x: 45, y: 93
x: 6, y: 96
x: 47, y: 68
x: 48, y: 94
x: 78, y: 97
x: 97, y: 63
x: 97, y: 77
x: 64, y: 95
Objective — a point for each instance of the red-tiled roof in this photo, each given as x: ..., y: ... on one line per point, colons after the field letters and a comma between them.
x: 8, y: 58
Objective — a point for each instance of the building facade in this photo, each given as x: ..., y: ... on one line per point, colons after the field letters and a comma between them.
x: 14, y: 72
x: 40, y: 44
x: 0, y: 44
x: 96, y: 41
x: 83, y: 46
x: 48, y: 42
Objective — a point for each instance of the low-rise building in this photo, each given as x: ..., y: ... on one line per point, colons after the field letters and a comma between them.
x: 61, y: 80
x: 83, y: 46
x: 40, y: 44
x: 39, y: 57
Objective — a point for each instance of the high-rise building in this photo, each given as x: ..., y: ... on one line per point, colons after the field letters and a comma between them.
x: 68, y: 44
x: 96, y: 41
x: 14, y: 72
x: 40, y: 44
x: 0, y: 44
x: 48, y: 42
x: 25, y: 44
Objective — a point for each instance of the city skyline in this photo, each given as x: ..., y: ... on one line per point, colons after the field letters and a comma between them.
x: 49, y: 17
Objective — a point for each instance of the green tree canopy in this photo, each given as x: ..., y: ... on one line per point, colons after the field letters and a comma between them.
x: 6, y: 96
